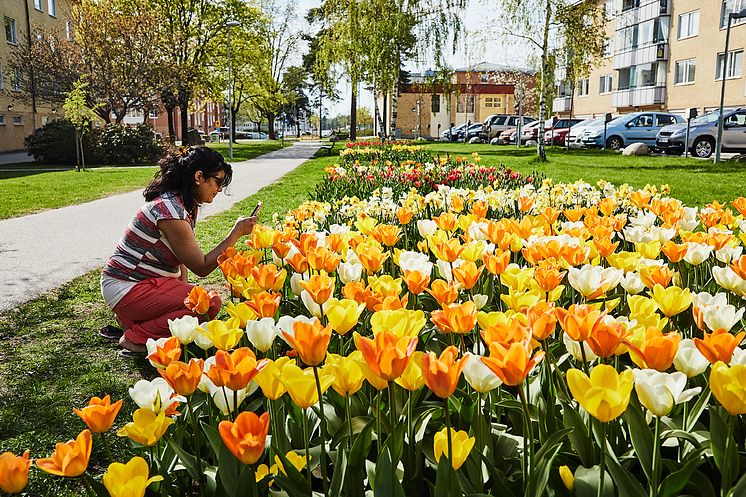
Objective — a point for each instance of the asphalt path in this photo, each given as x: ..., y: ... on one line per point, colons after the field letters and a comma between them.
x: 43, y: 251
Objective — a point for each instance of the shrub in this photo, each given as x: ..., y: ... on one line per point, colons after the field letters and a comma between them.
x: 54, y: 143
x: 128, y: 144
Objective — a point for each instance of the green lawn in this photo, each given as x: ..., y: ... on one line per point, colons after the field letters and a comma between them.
x: 52, y: 360
x: 24, y: 189
x: 694, y: 181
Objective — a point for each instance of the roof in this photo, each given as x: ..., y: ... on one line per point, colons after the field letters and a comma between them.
x: 490, y: 67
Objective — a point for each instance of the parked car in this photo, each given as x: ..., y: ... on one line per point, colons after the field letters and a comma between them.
x: 528, y: 132
x: 574, y: 136
x: 629, y: 128
x: 555, y: 134
x: 497, y: 123
x: 453, y: 134
x: 702, y: 133
x: 475, y: 130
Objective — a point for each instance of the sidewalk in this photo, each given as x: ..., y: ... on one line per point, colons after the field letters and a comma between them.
x: 43, y: 251
x: 15, y: 157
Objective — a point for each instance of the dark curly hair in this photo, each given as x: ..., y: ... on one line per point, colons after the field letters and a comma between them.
x: 176, y: 174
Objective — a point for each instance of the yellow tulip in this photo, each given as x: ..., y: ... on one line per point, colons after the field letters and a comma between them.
x: 268, y: 378
x: 627, y: 261
x: 491, y: 319
x: 385, y: 285
x: 240, y: 311
x: 343, y: 314
x: 347, y: 374
x: 146, y: 427
x: 461, y: 443
x: 294, y: 458
x: 128, y: 480
x: 472, y: 251
x: 301, y: 384
x: 223, y: 334
x: 517, y: 279
x: 605, y: 394
x: 412, y: 378
x: 567, y: 478
x: 728, y: 384
x: 672, y: 300
x: 365, y: 224
x: 400, y: 322
x: 649, y: 250
x: 519, y: 301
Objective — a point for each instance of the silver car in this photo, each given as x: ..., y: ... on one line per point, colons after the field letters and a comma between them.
x: 575, y: 135
x: 702, y: 133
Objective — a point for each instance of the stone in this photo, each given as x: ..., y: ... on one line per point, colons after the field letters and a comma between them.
x: 531, y: 143
x: 495, y: 141
x: 636, y: 149
x: 475, y: 139
x: 739, y: 158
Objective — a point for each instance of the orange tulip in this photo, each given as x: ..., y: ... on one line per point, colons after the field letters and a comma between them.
x: 319, y: 287
x: 604, y: 246
x: 265, y: 304
x: 512, y: 362
x: 548, y: 277
x: 739, y: 266
x: 719, y: 345
x: 389, y: 303
x: 442, y: 373
x: 656, y: 275
x: 498, y: 262
x: 14, y: 472
x: 446, y: 221
x: 184, y: 378
x: 445, y: 292
x: 416, y: 281
x: 550, y: 214
x: 447, y: 250
x: 608, y: 206
x: 357, y: 291
x: 512, y: 331
x: 387, y: 354
x: 479, y: 209
x: 495, y: 231
x: 306, y: 241
x: 323, y: 259
x: 606, y: 338
x: 198, y: 300
x: 310, y: 340
x: 456, y: 318
x: 386, y: 234
x: 166, y: 353
x: 70, y: 458
x: 575, y: 255
x: 740, y: 204
x: 467, y: 274
x: 298, y: 262
x: 235, y: 370
x: 573, y: 215
x: 404, y: 215
x: 525, y: 203
x: 246, y: 437
x: 268, y: 277
x: 657, y: 350
x: 281, y: 249
x: 371, y: 257
x: 542, y: 320
x: 99, y: 414
x: 674, y: 251
x: 579, y: 320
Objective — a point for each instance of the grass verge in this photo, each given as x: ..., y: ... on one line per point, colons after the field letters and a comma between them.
x: 52, y: 359
x: 249, y: 149
x: 693, y: 181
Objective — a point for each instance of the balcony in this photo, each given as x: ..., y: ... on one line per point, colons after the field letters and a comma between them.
x: 649, y: 9
x: 562, y: 104
x: 646, y: 54
x: 638, y: 97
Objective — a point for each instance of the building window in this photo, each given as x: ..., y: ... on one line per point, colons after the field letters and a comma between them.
x: 2, y: 78
x: 608, y: 47
x: 735, y: 63
x: 630, y: 4
x: 18, y: 120
x: 728, y: 7
x: 153, y: 114
x: 685, y: 71
x: 2, y: 120
x: 488, y: 102
x: 52, y: 7
x: 609, y: 11
x: 604, y: 84
x: 583, y: 87
x: 15, y: 80
x: 10, y: 31
x: 689, y: 24
x: 68, y: 31
x: 39, y: 5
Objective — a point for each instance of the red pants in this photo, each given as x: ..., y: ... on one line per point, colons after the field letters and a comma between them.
x: 145, y: 310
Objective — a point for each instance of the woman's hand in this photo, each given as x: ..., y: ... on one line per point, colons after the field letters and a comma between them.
x: 244, y: 225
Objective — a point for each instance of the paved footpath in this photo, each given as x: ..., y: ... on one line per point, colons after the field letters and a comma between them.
x: 41, y: 252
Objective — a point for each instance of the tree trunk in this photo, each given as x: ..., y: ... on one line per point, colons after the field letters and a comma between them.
x: 321, y: 107
x: 184, y: 108
x: 541, y: 148
x: 384, y: 125
x: 271, y: 125
x: 353, y: 112
x: 171, y: 130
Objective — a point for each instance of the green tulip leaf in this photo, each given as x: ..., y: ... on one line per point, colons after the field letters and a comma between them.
x: 446, y: 482
x: 190, y: 462
x: 542, y: 463
x: 338, y: 478
x: 723, y: 447
x: 587, y: 481
x: 642, y: 439
x: 579, y: 438
x: 386, y: 483
x: 294, y: 483
x: 626, y: 484
x: 674, y: 483
x: 699, y: 407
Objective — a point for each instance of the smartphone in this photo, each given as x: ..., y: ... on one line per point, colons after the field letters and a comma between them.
x: 256, y: 209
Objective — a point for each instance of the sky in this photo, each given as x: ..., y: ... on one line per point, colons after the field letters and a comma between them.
x: 483, y: 41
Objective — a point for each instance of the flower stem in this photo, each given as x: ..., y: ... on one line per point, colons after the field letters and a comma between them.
x: 448, y: 438
x: 348, y: 415
x: 308, y: 452
x: 602, y: 465
x: 656, y: 456
x: 527, y: 434
x: 107, y: 449
x: 89, y: 490
x: 324, y: 481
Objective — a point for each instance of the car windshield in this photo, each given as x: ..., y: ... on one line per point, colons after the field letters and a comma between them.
x: 590, y: 122
x: 499, y: 120
x: 712, y: 117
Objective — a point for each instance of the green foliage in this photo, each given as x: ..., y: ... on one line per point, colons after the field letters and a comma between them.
x: 127, y: 144
x: 54, y: 143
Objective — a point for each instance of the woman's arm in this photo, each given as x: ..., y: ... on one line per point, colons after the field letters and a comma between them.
x: 181, y: 239
x: 184, y: 276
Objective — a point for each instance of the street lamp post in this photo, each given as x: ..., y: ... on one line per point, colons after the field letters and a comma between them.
x: 719, y: 145
x: 229, y: 25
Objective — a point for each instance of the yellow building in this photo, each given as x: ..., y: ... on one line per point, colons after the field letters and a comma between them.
x: 21, y: 18
x: 662, y: 55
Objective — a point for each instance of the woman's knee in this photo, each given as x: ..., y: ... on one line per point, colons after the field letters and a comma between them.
x: 215, y: 304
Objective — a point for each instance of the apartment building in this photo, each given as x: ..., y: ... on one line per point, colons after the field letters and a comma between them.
x: 19, y: 118
x: 475, y: 92
x: 661, y: 55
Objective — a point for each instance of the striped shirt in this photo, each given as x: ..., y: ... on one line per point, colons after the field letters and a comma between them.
x: 144, y: 252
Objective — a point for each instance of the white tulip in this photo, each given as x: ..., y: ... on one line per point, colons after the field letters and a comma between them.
x: 225, y: 400
x: 588, y: 279
x: 477, y: 231
x: 349, y: 271
x: 704, y: 300
x: 202, y: 340
x: 261, y: 333
x: 689, y: 360
x: 205, y: 383
x: 479, y: 376
x: 479, y: 300
x: 725, y: 317
x: 632, y: 283
x: 415, y: 261
x: 184, y: 328
x: 739, y: 357
x: 728, y: 254
x: 663, y: 235
x: 660, y: 392
x: 444, y: 269
x: 351, y: 257
x: 314, y: 308
x: 727, y: 278
x: 426, y: 227
x: 295, y: 280
x: 155, y: 395
x: 573, y: 348
x: 697, y: 253
x: 644, y: 219
x: 339, y: 229
x: 151, y: 346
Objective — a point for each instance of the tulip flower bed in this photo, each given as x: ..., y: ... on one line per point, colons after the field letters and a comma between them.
x: 545, y: 340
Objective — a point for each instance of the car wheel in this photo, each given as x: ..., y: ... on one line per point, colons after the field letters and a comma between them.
x: 614, y: 143
x: 703, y: 147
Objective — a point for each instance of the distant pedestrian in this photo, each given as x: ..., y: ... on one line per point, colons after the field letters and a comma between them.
x: 145, y: 281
